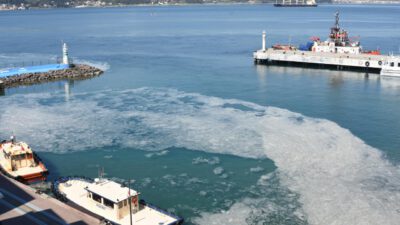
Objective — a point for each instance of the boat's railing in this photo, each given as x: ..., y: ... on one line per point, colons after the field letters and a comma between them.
x: 179, y: 219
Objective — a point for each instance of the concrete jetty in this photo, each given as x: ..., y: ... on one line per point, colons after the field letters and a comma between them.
x: 11, y: 77
x: 20, y: 204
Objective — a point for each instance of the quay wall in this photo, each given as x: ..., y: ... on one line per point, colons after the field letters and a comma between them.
x: 361, y: 62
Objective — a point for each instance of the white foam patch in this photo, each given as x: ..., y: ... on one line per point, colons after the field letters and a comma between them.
x: 256, y: 169
x: 101, y: 65
x: 211, y: 161
x: 237, y: 214
x: 218, y: 170
x: 339, y: 179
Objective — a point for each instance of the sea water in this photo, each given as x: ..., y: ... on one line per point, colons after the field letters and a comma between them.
x: 185, y: 116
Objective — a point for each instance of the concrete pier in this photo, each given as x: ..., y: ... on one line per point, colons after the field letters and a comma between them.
x: 20, y: 204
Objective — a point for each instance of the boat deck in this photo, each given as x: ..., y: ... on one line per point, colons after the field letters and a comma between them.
x: 75, y: 192
x: 26, y: 171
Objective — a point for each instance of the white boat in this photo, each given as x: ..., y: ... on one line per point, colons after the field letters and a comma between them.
x: 18, y: 161
x: 391, y: 67
x: 112, y: 201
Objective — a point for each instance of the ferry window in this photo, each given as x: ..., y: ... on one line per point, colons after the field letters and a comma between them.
x: 392, y: 64
x: 120, y: 204
x: 108, y: 203
x: 125, y: 202
x: 96, y: 197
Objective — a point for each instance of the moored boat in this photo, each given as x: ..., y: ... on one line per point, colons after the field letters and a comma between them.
x: 297, y: 3
x: 391, y: 67
x: 112, y: 201
x: 17, y: 160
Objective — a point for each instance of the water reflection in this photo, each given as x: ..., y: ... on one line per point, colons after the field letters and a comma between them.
x: 2, y: 91
x: 65, y: 85
x: 335, y: 79
x: 390, y: 83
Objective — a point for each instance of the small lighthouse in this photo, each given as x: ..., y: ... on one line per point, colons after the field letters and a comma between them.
x: 65, y: 58
x: 264, y: 35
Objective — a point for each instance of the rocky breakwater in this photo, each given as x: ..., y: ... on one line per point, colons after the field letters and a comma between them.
x: 75, y: 72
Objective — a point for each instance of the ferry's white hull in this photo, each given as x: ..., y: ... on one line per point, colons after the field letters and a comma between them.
x: 390, y: 72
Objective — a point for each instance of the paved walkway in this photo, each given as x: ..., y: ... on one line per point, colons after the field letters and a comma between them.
x: 19, y: 204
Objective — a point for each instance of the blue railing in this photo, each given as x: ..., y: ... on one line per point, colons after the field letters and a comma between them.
x: 32, y: 69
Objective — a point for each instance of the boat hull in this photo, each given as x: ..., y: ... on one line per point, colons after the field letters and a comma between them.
x: 71, y: 190
x: 390, y: 73
x: 295, y: 5
x: 30, y: 177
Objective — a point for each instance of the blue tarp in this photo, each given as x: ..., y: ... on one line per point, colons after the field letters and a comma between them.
x: 32, y: 69
x: 306, y: 47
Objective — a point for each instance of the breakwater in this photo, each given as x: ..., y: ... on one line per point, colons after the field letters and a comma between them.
x: 75, y: 72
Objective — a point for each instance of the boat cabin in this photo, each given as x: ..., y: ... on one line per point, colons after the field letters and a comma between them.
x: 393, y: 62
x: 112, y: 198
x: 17, y: 155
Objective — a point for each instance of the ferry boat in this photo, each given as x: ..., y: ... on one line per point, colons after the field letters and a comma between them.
x: 338, y: 42
x: 391, y: 67
x: 17, y: 160
x: 111, y: 201
x: 338, y: 52
x: 296, y: 3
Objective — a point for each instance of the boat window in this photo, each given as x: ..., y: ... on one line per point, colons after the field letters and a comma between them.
x: 125, y: 202
x: 108, y: 203
x: 398, y: 64
x: 120, y: 204
x: 392, y: 64
x: 96, y: 197
x: 19, y: 157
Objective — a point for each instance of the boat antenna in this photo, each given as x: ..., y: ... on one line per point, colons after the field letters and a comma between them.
x: 130, y: 201
x: 101, y: 172
x: 337, y: 19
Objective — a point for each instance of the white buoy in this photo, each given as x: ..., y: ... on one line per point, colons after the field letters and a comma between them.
x: 65, y: 54
x: 264, y: 35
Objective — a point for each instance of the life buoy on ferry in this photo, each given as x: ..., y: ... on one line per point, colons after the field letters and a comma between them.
x: 135, y: 200
x: 367, y: 64
x: 380, y: 63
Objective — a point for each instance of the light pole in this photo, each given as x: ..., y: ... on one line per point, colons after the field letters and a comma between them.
x: 130, y: 201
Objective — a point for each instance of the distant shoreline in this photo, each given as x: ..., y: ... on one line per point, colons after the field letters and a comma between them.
x: 191, y: 4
